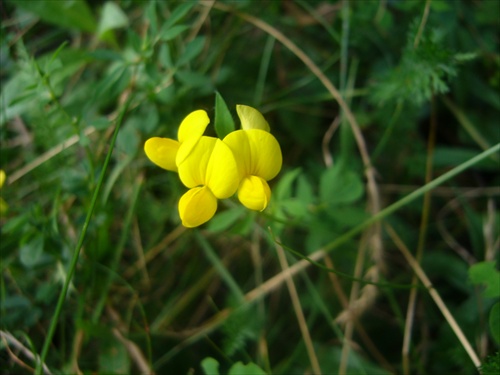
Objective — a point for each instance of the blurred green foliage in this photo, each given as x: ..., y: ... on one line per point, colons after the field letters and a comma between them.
x: 148, y: 294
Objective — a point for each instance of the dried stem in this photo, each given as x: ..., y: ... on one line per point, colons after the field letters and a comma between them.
x: 294, y: 296
x: 434, y: 294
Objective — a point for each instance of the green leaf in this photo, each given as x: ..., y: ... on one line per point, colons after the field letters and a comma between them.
x: 165, y: 57
x: 210, y: 366
x: 178, y: 13
x: 169, y: 33
x: 128, y: 138
x: 486, y: 273
x: 423, y: 71
x: 150, y: 15
x: 112, y: 17
x: 225, y: 219
x: 66, y: 14
x: 249, y: 369
x: 113, y: 357
x: 192, y: 50
x: 495, y: 322
x: 339, y: 185
x: 283, y: 189
x: 491, y: 365
x: 194, y: 79
x: 31, y: 253
x: 224, y: 123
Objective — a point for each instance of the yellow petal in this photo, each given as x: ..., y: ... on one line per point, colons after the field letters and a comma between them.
x: 162, y: 152
x: 192, y: 160
x: 254, y: 193
x: 2, y: 177
x: 197, y: 206
x: 193, y: 126
x: 222, y: 175
x: 256, y: 151
x: 251, y: 118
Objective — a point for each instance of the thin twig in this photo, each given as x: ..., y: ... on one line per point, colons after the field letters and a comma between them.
x: 48, y: 155
x: 467, y: 125
x: 133, y: 350
x: 434, y: 294
x: 10, y: 339
x: 422, y: 235
x: 351, y: 310
x: 339, y: 292
x: 327, y: 155
x: 153, y: 252
x: 422, y: 23
x: 294, y: 296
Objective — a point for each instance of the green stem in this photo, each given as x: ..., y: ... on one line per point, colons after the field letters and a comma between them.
x: 221, y: 269
x: 388, y: 131
x: 75, y: 122
x: 118, y: 252
x: 264, y: 68
x: 412, y: 196
x: 467, y: 125
x: 74, y: 260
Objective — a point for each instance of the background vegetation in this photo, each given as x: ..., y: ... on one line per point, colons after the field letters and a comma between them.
x: 371, y: 100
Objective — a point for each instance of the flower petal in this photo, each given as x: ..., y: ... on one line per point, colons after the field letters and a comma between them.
x: 222, y: 172
x: 256, y: 151
x: 193, y: 125
x: 162, y: 152
x: 254, y: 193
x: 192, y: 160
x: 197, y: 206
x: 251, y: 118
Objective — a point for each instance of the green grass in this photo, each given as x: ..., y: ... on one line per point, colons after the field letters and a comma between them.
x: 384, y: 213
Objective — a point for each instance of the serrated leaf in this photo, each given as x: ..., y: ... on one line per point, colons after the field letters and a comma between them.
x: 486, y: 273
x: 210, y: 366
x: 250, y: 369
x: 224, y: 123
x: 339, y: 185
x: 495, y: 322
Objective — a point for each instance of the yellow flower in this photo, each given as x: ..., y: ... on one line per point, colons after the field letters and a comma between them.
x: 213, y: 169
x: 163, y: 151
x: 258, y: 156
x: 3, y: 204
x: 208, y: 168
